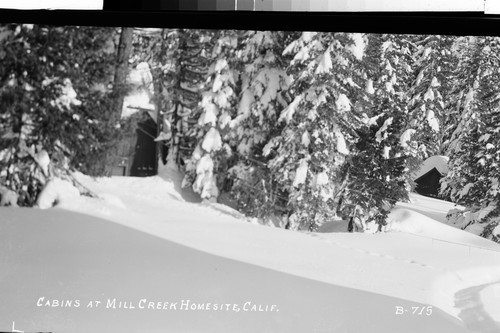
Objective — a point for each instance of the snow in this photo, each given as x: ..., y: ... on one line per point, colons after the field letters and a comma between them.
x: 386, y: 45
x: 287, y: 114
x: 212, y: 140
x: 306, y: 139
x: 406, y: 137
x: 205, y: 165
x: 220, y: 65
x: 225, y: 120
x: 141, y: 75
x: 420, y: 77
x: 432, y: 121
x: 418, y: 259
x: 342, y: 103
x: 496, y: 231
x: 411, y: 221
x: 302, y: 55
x: 429, y: 95
x: 386, y: 153
x: 490, y: 146
x: 245, y: 103
x: 465, y: 190
x: 210, y: 114
x: 244, y: 147
x: 369, y: 87
x: 341, y: 144
x: 56, y: 191
x: 134, y: 102
x: 322, y: 178
x: 307, y: 36
x: 382, y: 132
x: 325, y: 64
x: 68, y: 96
x: 272, y: 84
x: 352, y: 83
x: 358, y: 47
x: 484, y: 137
x: 42, y: 158
x: 8, y: 197
x: 291, y: 47
x: 371, y: 121
x: 301, y: 172
x: 439, y: 162
x: 435, y: 82
x: 205, y: 182
x: 163, y: 136
x: 269, y: 146
x: 223, y: 96
x: 218, y: 82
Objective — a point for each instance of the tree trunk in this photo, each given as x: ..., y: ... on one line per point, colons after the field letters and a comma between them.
x: 119, y: 91
x: 158, y: 101
x: 121, y: 71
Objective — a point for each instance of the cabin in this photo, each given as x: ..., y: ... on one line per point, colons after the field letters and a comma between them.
x: 428, y: 177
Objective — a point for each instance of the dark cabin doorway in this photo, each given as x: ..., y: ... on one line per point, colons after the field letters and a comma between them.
x: 144, y: 161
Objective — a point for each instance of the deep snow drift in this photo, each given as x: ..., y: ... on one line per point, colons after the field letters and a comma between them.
x: 418, y: 259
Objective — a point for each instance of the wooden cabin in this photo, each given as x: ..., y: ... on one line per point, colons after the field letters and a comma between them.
x: 428, y: 177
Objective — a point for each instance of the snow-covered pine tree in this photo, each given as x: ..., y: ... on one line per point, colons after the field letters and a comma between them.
x: 377, y: 172
x: 433, y: 65
x: 465, y: 84
x: 213, y: 155
x: 473, y: 179
x: 185, y: 65
x: 263, y: 79
x: 319, y: 123
x: 52, y: 108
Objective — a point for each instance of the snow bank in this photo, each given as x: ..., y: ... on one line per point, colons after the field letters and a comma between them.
x: 463, y: 245
x: 418, y: 259
x: 8, y: 197
x: 406, y: 220
x: 56, y: 191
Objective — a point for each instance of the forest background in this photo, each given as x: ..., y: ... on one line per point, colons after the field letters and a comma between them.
x: 305, y: 127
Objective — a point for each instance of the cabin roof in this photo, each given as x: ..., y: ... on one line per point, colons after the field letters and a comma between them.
x: 438, y: 162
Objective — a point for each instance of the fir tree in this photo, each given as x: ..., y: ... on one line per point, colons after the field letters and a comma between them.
x: 47, y: 76
x: 188, y: 60
x: 317, y: 134
x: 377, y: 172
x: 473, y: 180
x: 433, y: 67
x: 263, y: 80
x: 212, y: 155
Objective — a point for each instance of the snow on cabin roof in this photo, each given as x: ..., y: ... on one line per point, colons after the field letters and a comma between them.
x: 439, y: 162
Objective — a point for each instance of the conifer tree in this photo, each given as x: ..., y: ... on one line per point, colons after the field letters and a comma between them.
x: 473, y: 180
x: 54, y: 97
x: 188, y: 60
x: 377, y: 172
x: 212, y: 155
x: 263, y: 80
x: 434, y: 64
x: 318, y: 125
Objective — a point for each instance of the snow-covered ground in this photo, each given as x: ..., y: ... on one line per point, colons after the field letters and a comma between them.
x: 419, y: 259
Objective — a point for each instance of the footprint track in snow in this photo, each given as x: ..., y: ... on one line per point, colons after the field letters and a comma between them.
x: 376, y: 254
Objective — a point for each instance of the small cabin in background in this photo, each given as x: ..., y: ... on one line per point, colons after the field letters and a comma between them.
x: 428, y: 176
